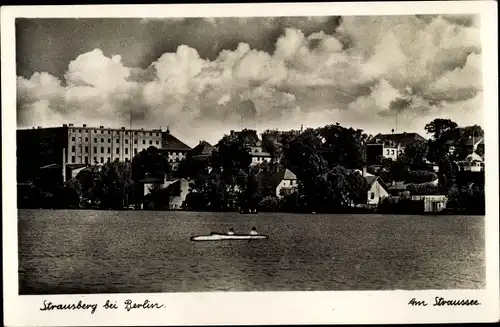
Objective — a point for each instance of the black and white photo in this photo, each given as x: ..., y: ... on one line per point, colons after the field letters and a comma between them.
x: 223, y: 155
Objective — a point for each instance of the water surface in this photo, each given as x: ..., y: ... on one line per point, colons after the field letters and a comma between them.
x: 82, y: 251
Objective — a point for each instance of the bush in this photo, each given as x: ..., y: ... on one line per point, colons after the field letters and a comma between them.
x: 269, y: 203
x: 420, y: 176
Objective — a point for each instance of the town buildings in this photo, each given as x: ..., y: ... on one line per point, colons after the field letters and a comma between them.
x: 71, y: 146
x: 254, y: 143
x: 174, y: 149
x: 389, y: 146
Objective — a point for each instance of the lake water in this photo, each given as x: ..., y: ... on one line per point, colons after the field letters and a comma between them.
x: 76, y: 251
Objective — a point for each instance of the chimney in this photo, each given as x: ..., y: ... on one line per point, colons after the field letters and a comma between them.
x: 123, y: 127
x: 101, y: 126
x: 64, y: 165
x: 70, y: 125
x: 231, y: 132
x: 84, y: 125
x: 65, y: 125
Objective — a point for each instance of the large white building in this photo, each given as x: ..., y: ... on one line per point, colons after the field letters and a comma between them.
x: 91, y: 145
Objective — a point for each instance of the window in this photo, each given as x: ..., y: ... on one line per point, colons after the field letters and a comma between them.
x: 95, y: 139
x: 143, y: 141
x: 73, y: 139
x: 79, y: 131
x: 135, y: 151
x: 86, y: 149
x: 372, y: 195
x: 73, y: 149
x: 150, y: 142
x: 135, y: 141
x: 109, y: 150
x: 102, y: 159
x: 102, y: 140
x: 157, y: 134
x: 388, y: 151
x: 109, y: 140
x: 392, y: 152
x: 157, y: 142
x: 109, y: 132
x: 117, y: 140
x: 95, y: 149
x: 176, y: 159
x: 126, y: 133
x: 135, y: 133
x: 150, y: 134
x: 86, y: 159
x: 126, y: 150
x: 73, y: 159
x: 117, y: 150
x: 102, y: 131
x: 126, y: 141
x: 109, y: 159
x: 102, y: 149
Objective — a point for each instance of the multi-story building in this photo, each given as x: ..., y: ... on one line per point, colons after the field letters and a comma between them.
x: 388, y: 146
x: 71, y: 146
x: 92, y: 145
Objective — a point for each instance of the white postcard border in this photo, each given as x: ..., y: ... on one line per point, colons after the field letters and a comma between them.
x: 253, y: 307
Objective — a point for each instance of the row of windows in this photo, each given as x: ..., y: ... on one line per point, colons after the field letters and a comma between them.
x: 117, y: 141
x: 391, y: 152
x: 101, y: 159
x: 126, y: 132
x: 73, y: 149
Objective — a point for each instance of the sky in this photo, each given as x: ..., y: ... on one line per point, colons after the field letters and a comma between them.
x: 202, y: 77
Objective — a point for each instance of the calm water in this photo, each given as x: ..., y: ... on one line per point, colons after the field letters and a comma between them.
x: 137, y: 251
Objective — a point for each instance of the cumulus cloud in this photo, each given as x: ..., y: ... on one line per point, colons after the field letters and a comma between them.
x: 364, y: 73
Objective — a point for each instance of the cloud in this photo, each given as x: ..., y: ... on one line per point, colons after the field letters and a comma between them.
x: 361, y: 73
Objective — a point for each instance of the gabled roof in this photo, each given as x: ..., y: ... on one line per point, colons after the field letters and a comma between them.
x: 248, y: 135
x: 280, y: 175
x: 170, y: 142
x: 370, y: 180
x: 401, y: 138
x: 203, y: 148
x: 475, y: 141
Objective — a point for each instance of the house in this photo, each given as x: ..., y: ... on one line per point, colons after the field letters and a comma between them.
x: 174, y: 149
x: 202, y: 151
x: 377, y: 190
x: 389, y: 146
x: 474, y: 143
x: 430, y: 203
x: 473, y: 162
x: 255, y: 146
x: 284, y: 181
x: 178, y: 190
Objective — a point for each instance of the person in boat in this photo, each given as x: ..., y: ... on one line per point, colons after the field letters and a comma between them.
x: 254, y: 231
x: 230, y: 231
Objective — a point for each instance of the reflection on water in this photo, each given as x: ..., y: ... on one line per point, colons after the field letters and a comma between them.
x: 138, y: 251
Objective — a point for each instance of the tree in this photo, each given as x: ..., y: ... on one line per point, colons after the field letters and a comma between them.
x: 149, y: 162
x: 231, y: 155
x: 439, y: 126
x: 342, y: 146
x: 415, y: 154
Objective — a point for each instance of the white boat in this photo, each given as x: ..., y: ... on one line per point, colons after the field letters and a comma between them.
x: 226, y: 237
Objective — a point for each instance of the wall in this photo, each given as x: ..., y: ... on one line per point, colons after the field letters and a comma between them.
x: 177, y: 201
x: 285, y: 183
x: 378, y: 191
x: 102, y: 145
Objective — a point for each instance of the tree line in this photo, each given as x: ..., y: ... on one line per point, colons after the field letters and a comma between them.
x: 323, y: 159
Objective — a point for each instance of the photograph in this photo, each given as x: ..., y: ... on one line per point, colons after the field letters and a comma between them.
x: 287, y: 153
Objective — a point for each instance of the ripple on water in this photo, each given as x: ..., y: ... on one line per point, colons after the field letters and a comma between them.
x: 63, y: 251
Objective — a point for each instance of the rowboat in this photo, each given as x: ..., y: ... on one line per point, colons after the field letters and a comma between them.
x: 226, y: 237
